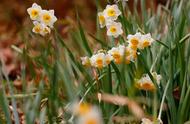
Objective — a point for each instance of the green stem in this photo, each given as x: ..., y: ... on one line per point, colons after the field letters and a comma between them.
x: 163, y: 99
x: 18, y: 96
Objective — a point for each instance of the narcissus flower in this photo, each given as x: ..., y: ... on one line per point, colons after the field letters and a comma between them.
x: 40, y: 28
x: 112, y: 12
x: 114, y: 29
x: 139, y: 41
x: 37, y: 27
x: 83, y: 108
x: 86, y: 113
x: 100, y: 60
x: 85, y: 61
x: 92, y: 117
x: 108, y: 18
x: 146, y: 40
x: 42, y: 19
x: 34, y: 11
x: 130, y: 55
x: 134, y: 40
x: 101, y: 19
x: 145, y: 83
x: 48, y: 18
x: 117, y: 53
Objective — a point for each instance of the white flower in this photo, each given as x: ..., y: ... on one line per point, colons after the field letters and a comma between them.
x: 42, y: 19
x: 146, y: 40
x: 48, y: 17
x: 117, y: 53
x: 101, y: 19
x: 145, y: 83
x: 112, y: 12
x: 93, y: 117
x: 114, y: 29
x: 34, y: 11
x: 77, y: 108
x: 130, y: 54
x: 85, y: 113
x: 134, y: 40
x: 98, y: 60
x: 85, y: 61
x: 40, y: 28
x: 139, y: 41
x: 37, y: 27
x: 122, y: 53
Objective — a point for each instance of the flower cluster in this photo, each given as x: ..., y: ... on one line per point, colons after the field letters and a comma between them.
x: 98, y: 60
x: 117, y: 54
x: 108, y: 18
x: 145, y: 83
x: 120, y: 53
x: 43, y: 20
x: 86, y: 114
x: 139, y: 41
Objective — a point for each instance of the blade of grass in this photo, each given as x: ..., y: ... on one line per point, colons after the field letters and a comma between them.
x: 83, y: 37
x: 99, y: 41
x: 4, y: 101
x: 162, y: 44
x: 15, y: 113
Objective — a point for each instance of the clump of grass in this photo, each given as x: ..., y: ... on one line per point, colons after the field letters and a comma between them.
x: 64, y: 79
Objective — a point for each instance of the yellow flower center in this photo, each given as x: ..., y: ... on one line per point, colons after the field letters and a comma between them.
x: 111, y: 12
x: 145, y: 86
x: 146, y: 43
x: 46, y: 18
x: 91, y: 121
x: 101, y: 19
x: 34, y: 13
x: 99, y: 62
x: 113, y: 29
x: 148, y: 86
x: 84, y: 108
x: 117, y: 57
x: 37, y: 29
x: 134, y: 41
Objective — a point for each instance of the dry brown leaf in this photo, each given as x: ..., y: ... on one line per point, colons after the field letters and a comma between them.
x: 124, y: 101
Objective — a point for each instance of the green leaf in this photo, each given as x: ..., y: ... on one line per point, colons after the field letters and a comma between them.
x: 83, y: 37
